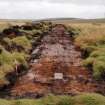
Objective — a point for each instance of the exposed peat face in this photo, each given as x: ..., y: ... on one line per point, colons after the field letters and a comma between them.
x: 55, y: 68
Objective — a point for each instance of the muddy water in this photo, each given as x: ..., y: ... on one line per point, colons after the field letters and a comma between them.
x: 57, y: 69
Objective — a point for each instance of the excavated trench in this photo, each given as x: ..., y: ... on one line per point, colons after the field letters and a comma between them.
x: 56, y: 68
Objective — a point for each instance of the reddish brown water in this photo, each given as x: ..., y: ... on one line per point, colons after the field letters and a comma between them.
x: 57, y: 55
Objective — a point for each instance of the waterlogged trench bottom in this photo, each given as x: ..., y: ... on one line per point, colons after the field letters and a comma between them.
x: 57, y: 70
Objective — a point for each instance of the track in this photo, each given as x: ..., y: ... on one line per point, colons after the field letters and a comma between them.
x: 56, y: 68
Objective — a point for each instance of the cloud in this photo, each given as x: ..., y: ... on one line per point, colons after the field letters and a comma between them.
x: 30, y: 9
x: 84, y: 2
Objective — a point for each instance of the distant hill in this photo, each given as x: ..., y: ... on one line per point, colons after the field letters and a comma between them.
x: 57, y: 20
x: 73, y: 20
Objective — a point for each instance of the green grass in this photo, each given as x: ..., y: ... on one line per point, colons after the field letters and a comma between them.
x: 84, y: 99
x: 23, y: 42
x: 26, y: 102
x: 5, y: 57
x: 20, y: 57
x: 7, y: 63
x: 96, y: 60
x: 5, y: 102
x: 90, y: 99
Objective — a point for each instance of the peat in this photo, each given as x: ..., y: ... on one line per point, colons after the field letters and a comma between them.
x: 56, y: 53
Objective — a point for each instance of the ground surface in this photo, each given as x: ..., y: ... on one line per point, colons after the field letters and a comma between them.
x: 56, y: 54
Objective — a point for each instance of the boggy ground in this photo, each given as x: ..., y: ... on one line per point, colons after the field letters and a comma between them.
x: 56, y: 54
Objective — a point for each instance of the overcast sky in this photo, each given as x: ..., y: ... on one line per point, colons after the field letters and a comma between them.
x: 39, y: 9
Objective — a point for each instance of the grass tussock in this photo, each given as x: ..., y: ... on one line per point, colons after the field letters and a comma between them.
x: 23, y: 42
x: 7, y: 64
x: 91, y: 39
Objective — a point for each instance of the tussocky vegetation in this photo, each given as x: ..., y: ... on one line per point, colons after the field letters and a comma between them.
x: 18, y: 41
x: 91, y: 40
x: 84, y: 99
x: 15, y: 47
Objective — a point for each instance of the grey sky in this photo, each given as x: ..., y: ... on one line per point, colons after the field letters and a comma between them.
x: 77, y: 1
x: 35, y: 9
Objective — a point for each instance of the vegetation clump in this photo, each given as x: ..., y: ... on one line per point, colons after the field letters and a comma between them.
x: 91, y: 40
x: 7, y: 63
x: 23, y: 42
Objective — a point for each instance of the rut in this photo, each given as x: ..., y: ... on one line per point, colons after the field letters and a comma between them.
x: 56, y: 69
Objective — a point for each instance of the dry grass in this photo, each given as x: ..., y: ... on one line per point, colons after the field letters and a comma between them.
x: 91, y: 38
x: 89, y: 33
x: 7, y: 23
